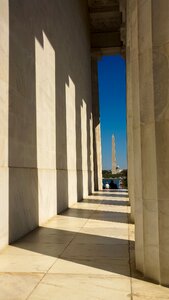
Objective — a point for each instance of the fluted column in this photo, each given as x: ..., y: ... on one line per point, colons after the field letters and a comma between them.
x: 153, y: 24
x: 137, y: 182
x: 96, y: 127
x: 130, y: 153
x: 148, y: 87
x: 148, y: 142
x: 160, y: 57
x: 4, y: 108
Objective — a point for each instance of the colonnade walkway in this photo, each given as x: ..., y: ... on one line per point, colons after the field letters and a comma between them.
x: 85, y: 253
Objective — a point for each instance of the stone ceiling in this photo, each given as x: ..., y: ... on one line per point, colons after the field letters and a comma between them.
x: 107, y: 26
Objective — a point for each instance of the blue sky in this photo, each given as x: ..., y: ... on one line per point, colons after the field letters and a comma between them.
x: 112, y: 96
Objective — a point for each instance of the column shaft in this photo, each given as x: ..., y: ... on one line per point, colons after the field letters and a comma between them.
x: 4, y: 113
x: 160, y: 58
x: 130, y: 153
x: 139, y: 246
x: 148, y: 142
x: 96, y: 128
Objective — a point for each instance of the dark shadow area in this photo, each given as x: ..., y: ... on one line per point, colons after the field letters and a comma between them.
x: 94, y: 201
x: 107, y: 202
x: 113, y: 194
x: 61, y: 132
x: 89, y: 154
x: 96, y: 121
x: 105, y: 253
x: 23, y: 178
x: 108, y: 216
x: 79, y: 149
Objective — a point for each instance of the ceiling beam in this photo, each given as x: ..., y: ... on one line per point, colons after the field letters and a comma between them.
x: 102, y: 3
x: 105, y: 14
x: 99, y: 52
x: 104, y: 40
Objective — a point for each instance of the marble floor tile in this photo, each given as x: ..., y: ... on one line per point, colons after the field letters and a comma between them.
x: 112, y: 234
x: 15, y: 286
x: 143, y: 290
x: 95, y: 239
x: 118, y: 268
x: 25, y: 263
x: 86, y: 253
x: 95, y: 223
x: 67, y: 222
x: 82, y: 287
x: 34, y: 249
x: 112, y: 208
x: 48, y: 235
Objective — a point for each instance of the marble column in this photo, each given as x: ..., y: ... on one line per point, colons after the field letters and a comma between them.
x: 4, y: 107
x: 160, y: 58
x: 96, y: 127
x: 148, y: 142
x: 153, y: 34
x: 148, y: 111
x: 130, y: 153
x: 134, y: 65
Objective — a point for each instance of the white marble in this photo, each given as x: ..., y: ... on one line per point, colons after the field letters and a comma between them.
x: 18, y: 286
x: 46, y: 133
x: 82, y: 287
x: 62, y: 260
x: 4, y: 107
x: 47, y: 194
x: 4, y: 220
x: 130, y: 145
x: 4, y: 79
x: 137, y: 154
x: 45, y: 103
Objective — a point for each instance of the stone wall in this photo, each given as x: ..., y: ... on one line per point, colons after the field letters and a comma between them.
x: 46, y: 140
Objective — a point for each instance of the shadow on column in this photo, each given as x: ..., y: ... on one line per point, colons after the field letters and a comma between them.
x: 79, y: 149
x: 28, y: 21
x: 61, y: 135
x: 89, y: 154
x: 23, y: 178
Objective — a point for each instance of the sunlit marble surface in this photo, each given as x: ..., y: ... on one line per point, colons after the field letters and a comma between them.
x: 85, y: 253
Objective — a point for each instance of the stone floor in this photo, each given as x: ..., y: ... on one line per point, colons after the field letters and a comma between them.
x: 85, y: 253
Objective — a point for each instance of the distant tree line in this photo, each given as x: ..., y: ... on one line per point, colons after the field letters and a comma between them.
x: 122, y: 175
x: 108, y: 174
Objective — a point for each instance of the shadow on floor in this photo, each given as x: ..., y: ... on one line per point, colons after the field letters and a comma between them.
x: 99, y: 253
x: 104, y: 253
x: 111, y: 194
x: 108, y: 216
x: 106, y: 202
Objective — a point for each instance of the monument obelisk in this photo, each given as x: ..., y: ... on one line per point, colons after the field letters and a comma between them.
x: 114, y: 163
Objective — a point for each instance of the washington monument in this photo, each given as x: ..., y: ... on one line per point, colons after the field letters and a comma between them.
x: 114, y: 164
